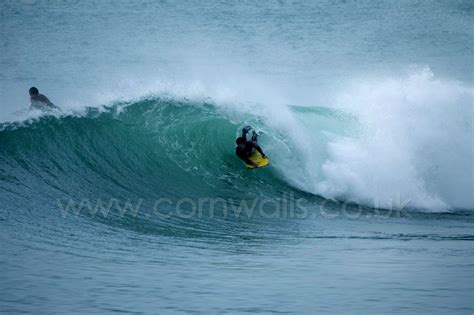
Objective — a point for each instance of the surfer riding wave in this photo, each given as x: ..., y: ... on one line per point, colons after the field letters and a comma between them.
x: 246, y: 148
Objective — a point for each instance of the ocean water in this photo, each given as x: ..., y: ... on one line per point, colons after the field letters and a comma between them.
x: 131, y: 198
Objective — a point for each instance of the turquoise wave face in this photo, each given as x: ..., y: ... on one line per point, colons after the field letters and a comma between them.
x: 151, y: 149
x: 156, y: 155
x: 168, y: 148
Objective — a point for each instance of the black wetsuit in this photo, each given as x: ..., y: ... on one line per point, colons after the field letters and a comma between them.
x: 41, y: 102
x: 245, y: 152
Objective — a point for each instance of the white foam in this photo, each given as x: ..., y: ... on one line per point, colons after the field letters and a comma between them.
x: 416, y: 146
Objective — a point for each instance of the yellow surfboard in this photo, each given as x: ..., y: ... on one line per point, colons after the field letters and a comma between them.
x: 257, y: 158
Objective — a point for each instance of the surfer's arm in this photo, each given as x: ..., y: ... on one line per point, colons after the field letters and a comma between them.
x: 44, y: 99
x: 49, y: 103
x: 257, y: 147
x: 245, y: 131
x: 250, y: 162
x: 53, y: 106
x: 245, y: 158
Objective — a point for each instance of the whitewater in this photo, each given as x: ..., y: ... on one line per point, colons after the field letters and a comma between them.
x: 130, y: 194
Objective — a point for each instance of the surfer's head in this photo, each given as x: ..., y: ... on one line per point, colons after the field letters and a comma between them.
x: 33, y: 91
x: 240, y: 141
